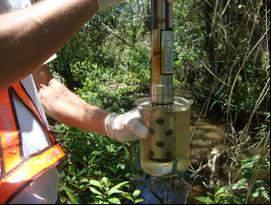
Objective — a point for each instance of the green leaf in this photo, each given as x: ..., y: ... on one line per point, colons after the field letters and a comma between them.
x: 71, y: 196
x: 138, y: 201
x: 127, y: 196
x: 205, y: 199
x: 136, y: 193
x: 95, y: 183
x: 115, y: 189
x: 249, y: 162
x: 95, y: 191
x: 97, y: 153
x: 256, y: 194
x: 84, y: 180
x: 265, y: 194
x: 114, y: 200
x: 223, y: 191
x: 241, y: 184
x: 105, y: 181
x: 75, y: 185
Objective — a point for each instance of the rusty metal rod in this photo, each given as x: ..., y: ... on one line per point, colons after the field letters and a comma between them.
x: 162, y: 53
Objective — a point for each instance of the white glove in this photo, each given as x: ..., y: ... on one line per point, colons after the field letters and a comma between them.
x: 103, y: 4
x: 125, y: 127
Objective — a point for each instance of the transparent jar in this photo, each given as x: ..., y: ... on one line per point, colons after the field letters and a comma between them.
x: 166, y: 150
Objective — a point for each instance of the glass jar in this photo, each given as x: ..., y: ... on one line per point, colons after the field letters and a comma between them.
x: 166, y: 150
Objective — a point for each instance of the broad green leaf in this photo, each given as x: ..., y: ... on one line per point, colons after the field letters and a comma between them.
x: 105, y: 181
x: 249, y: 162
x: 205, y: 199
x: 75, y: 185
x: 265, y: 194
x: 241, y: 184
x: 127, y: 196
x: 114, y: 200
x: 256, y: 194
x: 223, y: 190
x: 84, y: 180
x: 115, y: 189
x: 71, y: 196
x: 136, y: 193
x: 97, y: 153
x: 95, y: 183
x: 95, y: 191
x: 138, y: 201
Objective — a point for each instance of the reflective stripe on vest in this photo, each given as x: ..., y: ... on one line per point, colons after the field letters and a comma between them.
x: 17, y: 171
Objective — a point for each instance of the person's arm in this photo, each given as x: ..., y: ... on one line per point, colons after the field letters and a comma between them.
x: 64, y: 106
x: 28, y: 37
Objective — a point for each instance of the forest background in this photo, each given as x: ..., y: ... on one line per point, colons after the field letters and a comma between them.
x: 221, y: 61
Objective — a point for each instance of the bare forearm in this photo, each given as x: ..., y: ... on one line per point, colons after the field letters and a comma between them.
x: 64, y: 106
x: 30, y: 36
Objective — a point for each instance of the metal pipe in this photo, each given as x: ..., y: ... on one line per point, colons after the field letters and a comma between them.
x: 162, y: 53
x: 165, y: 152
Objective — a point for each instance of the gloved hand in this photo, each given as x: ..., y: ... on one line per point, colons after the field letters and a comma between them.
x: 125, y: 127
x: 103, y: 4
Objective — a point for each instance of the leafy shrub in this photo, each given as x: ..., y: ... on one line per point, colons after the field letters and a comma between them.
x: 247, y: 189
x: 221, y: 57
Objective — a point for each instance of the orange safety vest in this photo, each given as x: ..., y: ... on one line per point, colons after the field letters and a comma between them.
x: 17, y: 171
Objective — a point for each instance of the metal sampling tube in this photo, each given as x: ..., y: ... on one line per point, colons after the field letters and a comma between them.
x: 160, y: 120
x: 162, y: 53
x: 165, y: 152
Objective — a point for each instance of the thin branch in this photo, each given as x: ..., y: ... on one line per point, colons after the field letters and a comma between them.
x: 111, y: 31
x: 205, y: 66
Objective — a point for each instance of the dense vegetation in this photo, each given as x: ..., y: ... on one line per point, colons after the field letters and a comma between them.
x: 221, y: 60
